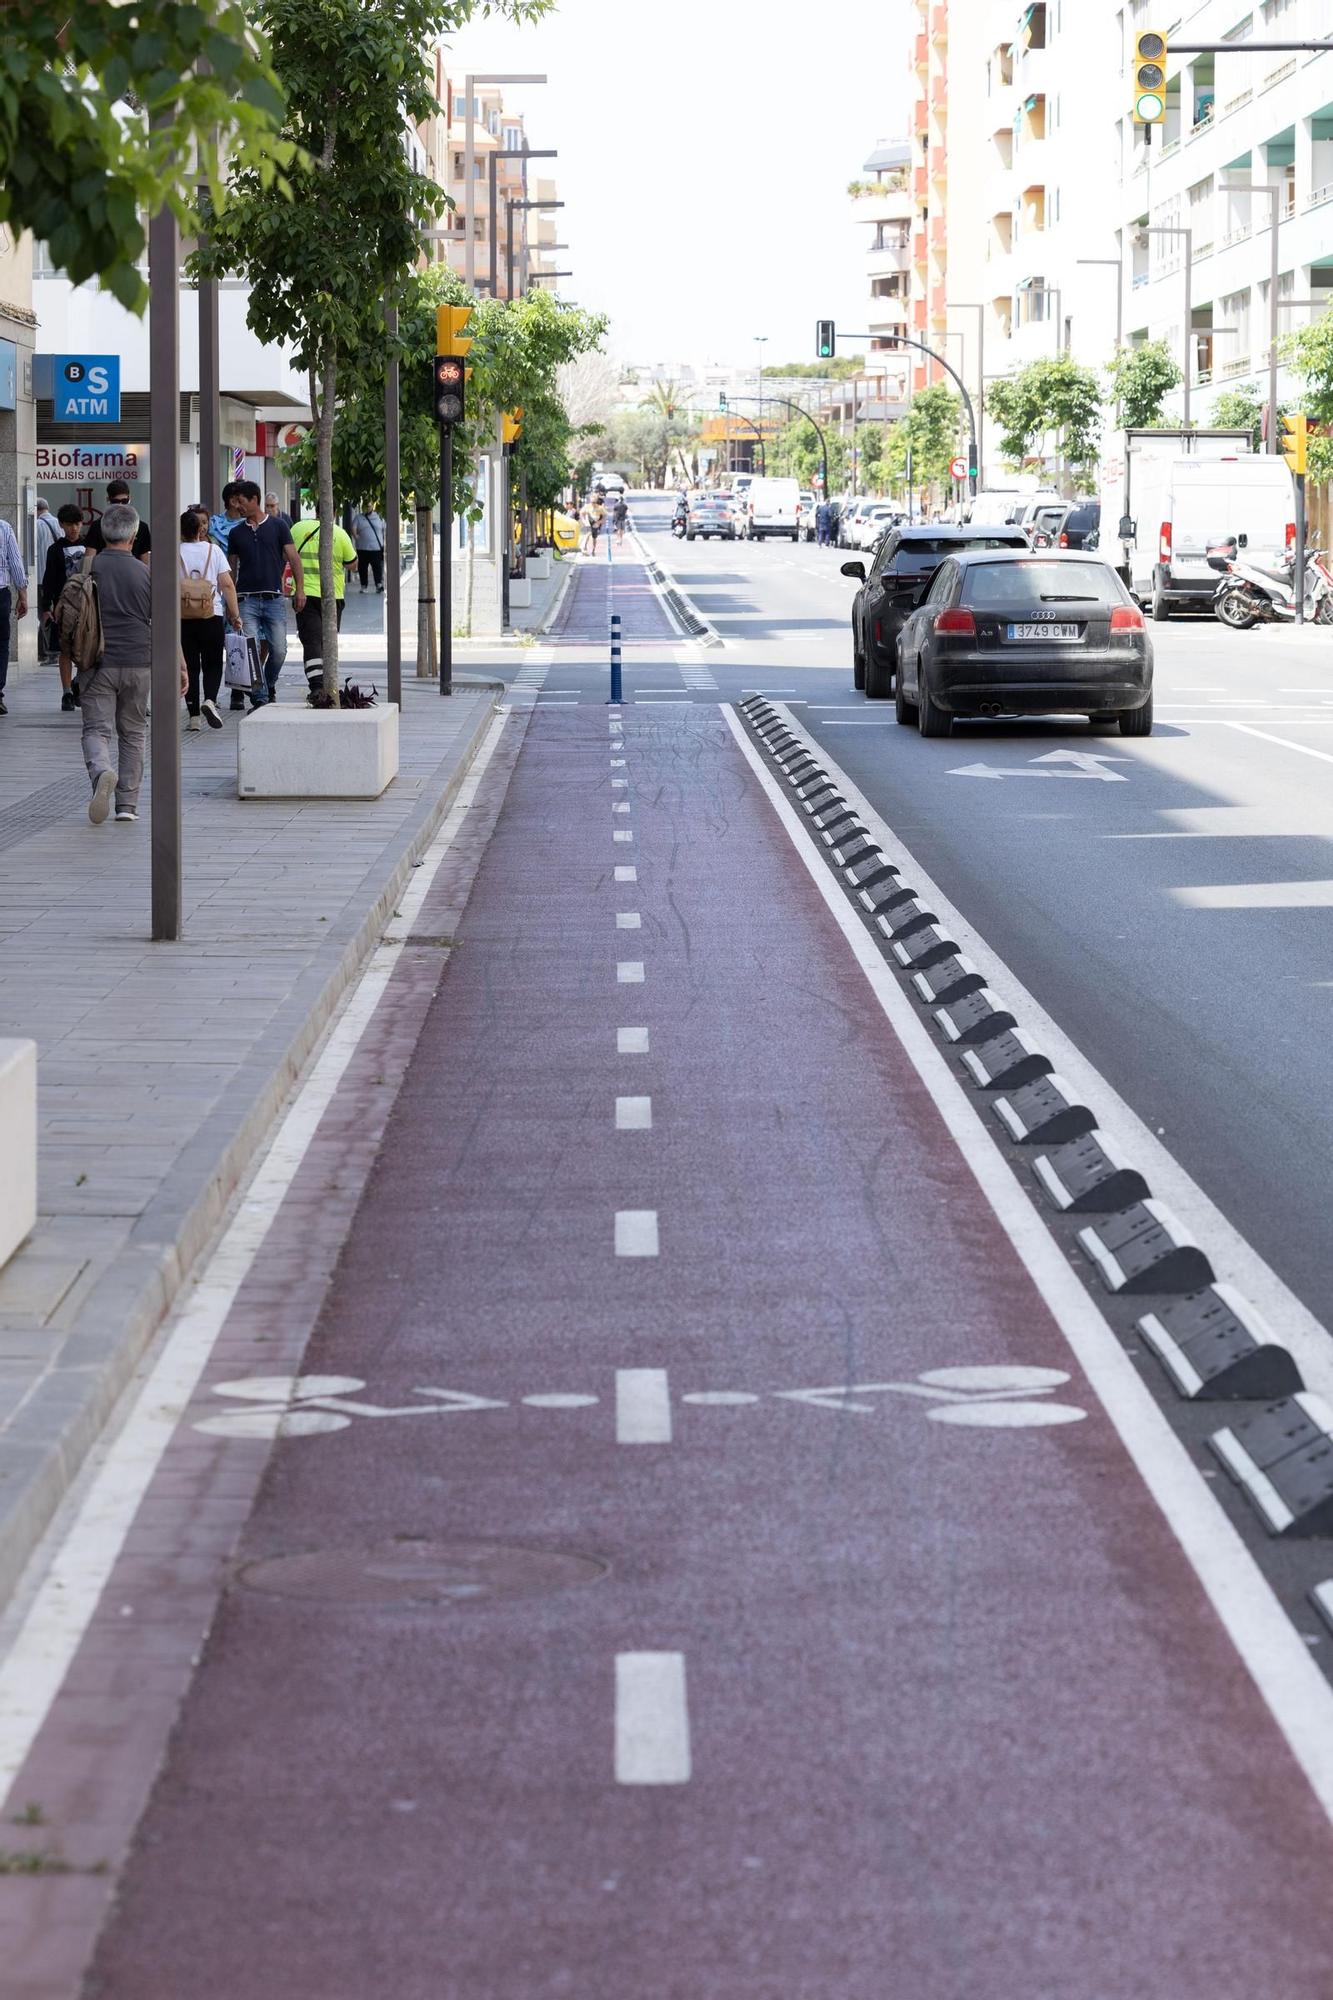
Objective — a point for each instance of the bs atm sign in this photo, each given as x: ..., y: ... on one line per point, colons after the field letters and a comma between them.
x: 86, y: 388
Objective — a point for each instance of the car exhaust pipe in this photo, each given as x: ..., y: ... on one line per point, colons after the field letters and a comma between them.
x: 991, y: 708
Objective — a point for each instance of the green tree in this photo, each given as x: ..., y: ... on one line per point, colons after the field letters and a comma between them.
x: 1237, y: 409
x: 101, y: 104
x: 321, y: 263
x: 1141, y: 379
x: 839, y: 370
x: 1309, y: 350
x: 1054, y: 397
x: 930, y: 429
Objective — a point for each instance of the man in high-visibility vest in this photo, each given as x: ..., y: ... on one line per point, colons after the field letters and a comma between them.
x: 310, y: 615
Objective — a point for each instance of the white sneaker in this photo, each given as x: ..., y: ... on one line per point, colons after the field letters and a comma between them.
x: 124, y: 812
x: 209, y: 710
x: 99, y: 805
x: 193, y: 723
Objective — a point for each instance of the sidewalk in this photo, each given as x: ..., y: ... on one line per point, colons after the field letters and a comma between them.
x: 160, y: 1067
x: 525, y: 621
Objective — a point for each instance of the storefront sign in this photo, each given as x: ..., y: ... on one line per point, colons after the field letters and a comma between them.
x: 86, y: 388
x: 9, y: 375
x: 81, y: 473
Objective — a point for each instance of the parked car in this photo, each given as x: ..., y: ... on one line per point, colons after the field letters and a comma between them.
x: 1180, y: 505
x: 874, y: 524
x: 709, y: 515
x: 1083, y: 520
x: 848, y: 508
x: 772, y: 507
x: 740, y: 486
x: 808, y: 505
x: 899, y: 577
x: 1004, y: 633
x: 1044, y: 522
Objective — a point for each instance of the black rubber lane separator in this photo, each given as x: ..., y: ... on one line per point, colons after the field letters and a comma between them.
x: 825, y: 808
x: 842, y: 833
x: 978, y: 1017
x: 1044, y: 1113
x: 1283, y: 1461
x: 950, y: 980
x: 800, y: 770
x: 889, y: 896
x: 1217, y: 1347
x: 837, y: 817
x: 1007, y: 1062
x: 860, y: 848
x: 923, y: 946
x: 810, y: 789
x: 908, y: 914
x: 869, y: 872
x: 1146, y: 1249
x: 1090, y: 1175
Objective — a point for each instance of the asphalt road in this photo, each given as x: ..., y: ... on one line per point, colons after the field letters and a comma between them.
x: 654, y: 1512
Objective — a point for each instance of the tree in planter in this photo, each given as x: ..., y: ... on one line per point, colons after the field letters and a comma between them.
x: 1051, y: 397
x: 82, y: 154
x: 321, y: 263
x: 1141, y: 380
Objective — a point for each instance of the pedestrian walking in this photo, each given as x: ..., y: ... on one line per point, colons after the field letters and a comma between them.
x: 44, y: 534
x: 594, y: 517
x: 620, y: 517
x: 310, y: 616
x: 208, y: 593
x: 258, y: 548
x: 64, y: 559
x: 368, y: 535
x: 13, y: 597
x: 221, y: 525
x: 823, y: 524
x: 105, y: 616
x: 275, y: 510
x: 118, y: 495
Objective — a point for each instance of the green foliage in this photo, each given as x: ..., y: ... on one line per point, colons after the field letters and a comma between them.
x: 101, y: 104
x: 1309, y: 351
x: 644, y: 439
x: 1052, y: 396
x: 1141, y: 379
x: 1241, y: 408
x: 931, y: 429
x: 838, y: 370
x: 795, y: 454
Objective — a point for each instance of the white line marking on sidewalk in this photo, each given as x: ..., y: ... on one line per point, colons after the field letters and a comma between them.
x: 627, y: 874
x: 634, y: 1114
x: 636, y: 1232
x: 620, y: 784
x: 652, y: 1719
x: 620, y: 806
x: 622, y: 836
x: 629, y: 972
x: 1248, y: 729
x: 631, y: 1041
x: 1297, y: 1694
x: 617, y: 764
x: 643, y: 1406
x: 628, y: 920
x: 36, y: 1664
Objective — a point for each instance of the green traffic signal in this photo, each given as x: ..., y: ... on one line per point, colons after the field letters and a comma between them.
x: 825, y: 339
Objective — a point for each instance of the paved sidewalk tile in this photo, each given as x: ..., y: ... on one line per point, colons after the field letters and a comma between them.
x: 160, y: 1067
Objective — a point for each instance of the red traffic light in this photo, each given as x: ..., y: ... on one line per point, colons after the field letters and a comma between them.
x: 450, y: 377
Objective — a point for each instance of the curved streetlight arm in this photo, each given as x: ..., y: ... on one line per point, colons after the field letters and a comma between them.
x: 904, y: 340
x: 787, y: 404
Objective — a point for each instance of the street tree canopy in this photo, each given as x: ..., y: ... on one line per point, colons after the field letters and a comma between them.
x: 1054, y: 396
x: 101, y: 104
x: 1309, y: 351
x: 930, y: 428
x: 1141, y: 379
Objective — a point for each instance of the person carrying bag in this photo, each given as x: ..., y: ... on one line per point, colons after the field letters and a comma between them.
x: 206, y: 587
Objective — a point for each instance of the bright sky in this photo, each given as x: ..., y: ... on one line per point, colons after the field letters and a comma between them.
x: 705, y: 148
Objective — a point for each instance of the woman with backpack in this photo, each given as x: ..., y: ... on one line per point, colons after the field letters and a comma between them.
x: 206, y: 587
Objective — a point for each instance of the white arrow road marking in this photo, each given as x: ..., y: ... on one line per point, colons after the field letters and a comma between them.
x: 1069, y: 764
x: 933, y: 1388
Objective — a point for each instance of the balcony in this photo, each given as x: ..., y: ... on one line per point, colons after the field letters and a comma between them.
x: 889, y: 259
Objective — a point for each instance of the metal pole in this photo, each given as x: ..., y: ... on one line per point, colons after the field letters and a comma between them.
x: 1188, y: 235
x: 446, y: 591
x: 469, y: 160
x: 1274, y: 438
x: 1300, y: 548
x: 509, y: 249
x: 506, y: 534
x: 165, y: 455
x: 393, y: 514
x: 493, y: 167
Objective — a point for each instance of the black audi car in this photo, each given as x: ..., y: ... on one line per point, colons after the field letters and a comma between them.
x: 1049, y: 633
x: 900, y: 572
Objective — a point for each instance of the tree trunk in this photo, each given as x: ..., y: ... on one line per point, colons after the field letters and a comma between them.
x: 428, y: 659
x: 324, y: 412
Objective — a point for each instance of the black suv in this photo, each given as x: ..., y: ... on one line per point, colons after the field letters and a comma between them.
x: 899, y: 578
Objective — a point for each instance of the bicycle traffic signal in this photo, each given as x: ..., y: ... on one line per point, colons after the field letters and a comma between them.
x: 449, y: 388
x: 1149, y: 77
x: 511, y: 426
x: 825, y: 339
x: 1295, y: 442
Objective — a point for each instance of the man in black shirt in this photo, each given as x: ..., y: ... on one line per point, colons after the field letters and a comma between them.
x: 259, y: 547
x: 118, y: 495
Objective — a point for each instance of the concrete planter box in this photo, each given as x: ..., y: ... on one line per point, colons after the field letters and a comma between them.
x: 313, y: 753
x: 539, y: 566
x: 18, y: 1144
x: 520, y: 593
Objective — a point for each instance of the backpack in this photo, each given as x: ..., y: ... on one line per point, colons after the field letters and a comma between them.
x: 196, y: 591
x: 78, y: 618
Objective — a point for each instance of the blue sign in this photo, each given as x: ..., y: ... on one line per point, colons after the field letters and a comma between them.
x: 9, y: 375
x: 85, y: 388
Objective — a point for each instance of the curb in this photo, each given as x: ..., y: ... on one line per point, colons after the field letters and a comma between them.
x: 68, y: 1410
x: 696, y: 625
x: 556, y: 604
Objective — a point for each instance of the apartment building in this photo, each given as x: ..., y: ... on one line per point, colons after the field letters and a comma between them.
x: 1246, y: 151
x: 882, y: 205
x: 512, y: 246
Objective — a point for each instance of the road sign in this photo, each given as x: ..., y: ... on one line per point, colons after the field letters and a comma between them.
x: 958, y: 468
x: 85, y: 388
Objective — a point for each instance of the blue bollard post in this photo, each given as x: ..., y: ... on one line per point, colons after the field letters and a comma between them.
x: 615, y: 657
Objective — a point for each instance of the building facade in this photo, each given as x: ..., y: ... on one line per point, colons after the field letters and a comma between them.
x: 513, y: 246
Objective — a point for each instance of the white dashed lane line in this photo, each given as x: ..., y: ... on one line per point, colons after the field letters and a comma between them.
x: 631, y: 1041
x: 629, y: 972
x: 634, y: 1114
x: 643, y: 1406
x: 652, y: 1735
x: 636, y: 1232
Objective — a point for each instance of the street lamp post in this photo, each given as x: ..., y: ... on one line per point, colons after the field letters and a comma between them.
x: 510, y: 206
x: 761, y: 341
x: 969, y: 305
x: 1174, y: 229
x: 164, y: 512
x: 469, y: 167
x: 528, y: 153
x: 1273, y: 194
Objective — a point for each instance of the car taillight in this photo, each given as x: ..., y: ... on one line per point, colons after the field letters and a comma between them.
x: 1064, y: 539
x: 1164, y: 542
x: 956, y: 622
x: 1291, y: 536
x: 1127, y: 618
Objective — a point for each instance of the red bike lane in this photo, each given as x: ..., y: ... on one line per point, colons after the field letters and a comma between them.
x: 589, y: 1639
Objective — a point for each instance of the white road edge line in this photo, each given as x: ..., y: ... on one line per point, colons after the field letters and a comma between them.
x: 1278, y: 1660
x: 643, y: 1406
x: 33, y: 1670
x: 1305, y: 749
x: 652, y: 1737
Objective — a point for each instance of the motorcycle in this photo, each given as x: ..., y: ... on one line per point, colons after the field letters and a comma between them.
x: 1248, y: 594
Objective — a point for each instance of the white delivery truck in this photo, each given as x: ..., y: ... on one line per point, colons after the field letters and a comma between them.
x: 773, y: 507
x: 1168, y: 495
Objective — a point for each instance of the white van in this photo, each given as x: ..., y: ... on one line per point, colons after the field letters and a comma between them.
x: 1183, y: 506
x: 773, y: 507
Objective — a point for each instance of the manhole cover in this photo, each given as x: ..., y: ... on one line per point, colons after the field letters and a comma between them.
x: 410, y: 1571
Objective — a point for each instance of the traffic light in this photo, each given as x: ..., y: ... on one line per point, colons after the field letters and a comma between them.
x: 449, y: 324
x: 1295, y: 442
x: 824, y: 339
x: 722, y: 402
x: 449, y: 388
x: 1149, y: 77
x: 511, y: 426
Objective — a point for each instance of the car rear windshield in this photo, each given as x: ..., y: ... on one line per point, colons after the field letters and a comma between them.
x: 915, y: 558
x: 1015, y: 585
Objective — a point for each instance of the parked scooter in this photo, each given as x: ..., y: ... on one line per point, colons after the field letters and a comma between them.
x: 1249, y: 595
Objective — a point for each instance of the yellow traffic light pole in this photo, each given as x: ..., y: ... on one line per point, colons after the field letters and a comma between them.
x: 1295, y: 448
